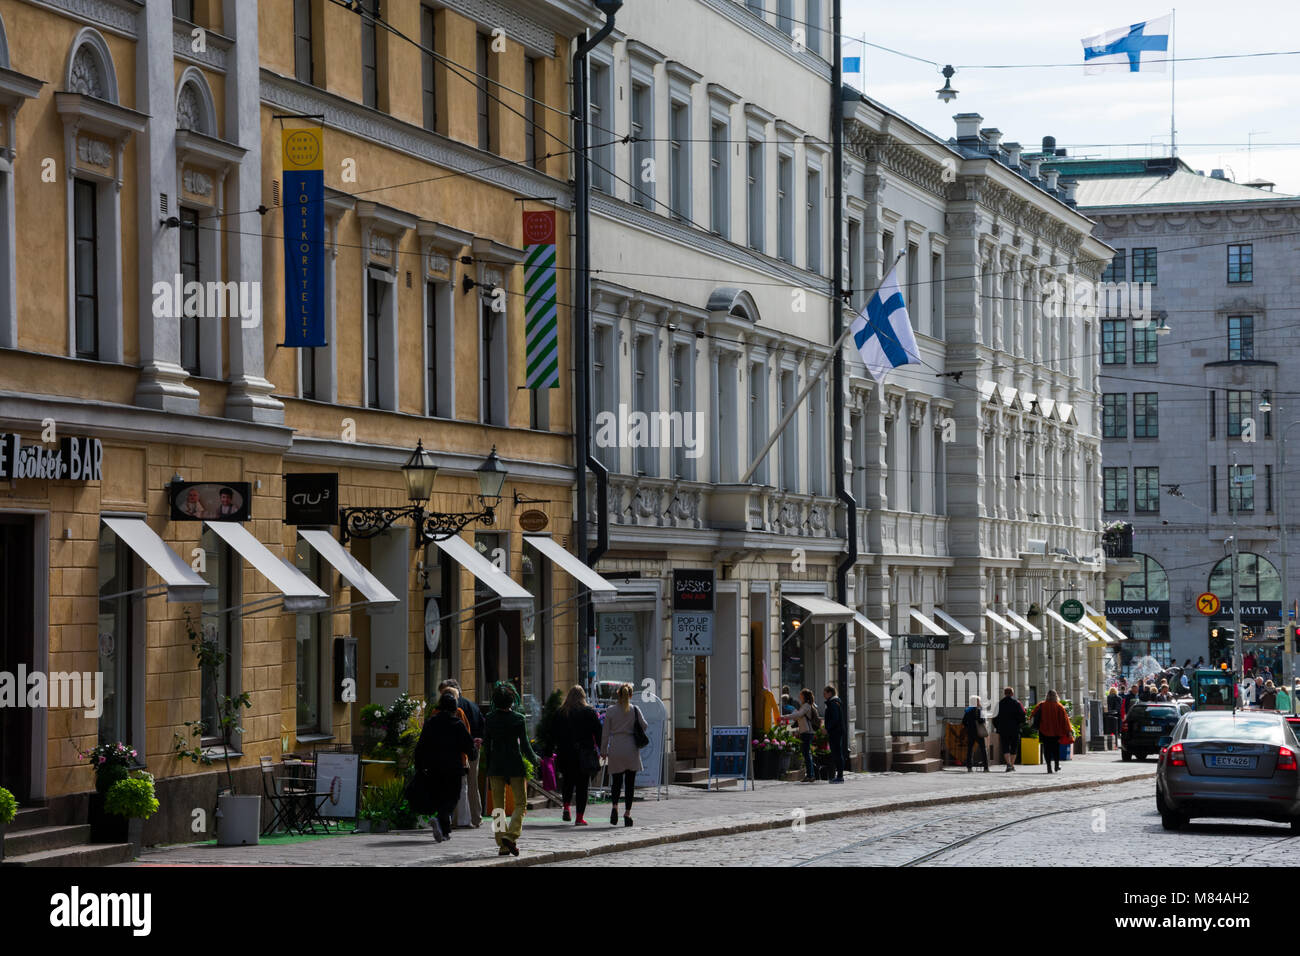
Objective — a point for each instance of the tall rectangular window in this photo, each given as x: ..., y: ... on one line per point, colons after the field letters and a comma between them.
x: 482, y: 48
x: 85, y: 198
x: 814, y: 221
x: 302, y: 67
x: 1114, y: 484
x: 758, y: 417
x: 1146, y: 414
x: 429, y: 79
x: 1214, y: 414
x: 886, y: 252
x: 719, y: 187
x: 603, y: 388
x: 680, y: 159
x: 369, y: 53
x: 914, y: 280
x: 936, y: 299
x: 1114, y: 415
x: 117, y: 619
x: 1240, y: 408
x: 1114, y: 272
x: 644, y: 387
x: 816, y: 441
x: 785, y: 16
x: 1144, y: 265
x: 1241, y: 490
x: 216, y: 625
x: 1241, y: 265
x: 531, y: 111
x: 853, y: 274
x: 601, y: 134
x: 1146, y: 490
x: 727, y: 442
x: 789, y: 437
x: 190, y: 272
x: 643, y: 185
x: 939, y: 478
x: 915, y: 479
x: 754, y: 175
x: 1144, y: 345
x: 1214, y: 489
x: 813, y: 26
x: 1241, y: 337
x: 785, y: 208
x: 683, y: 404
x: 492, y: 401
x: 1268, y: 488
x: 433, y: 359
x: 310, y: 639
x: 183, y: 9
x: 1114, y: 342
x: 375, y: 292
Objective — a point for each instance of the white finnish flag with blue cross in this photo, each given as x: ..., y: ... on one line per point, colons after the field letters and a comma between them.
x: 883, y: 332
x: 1122, y: 49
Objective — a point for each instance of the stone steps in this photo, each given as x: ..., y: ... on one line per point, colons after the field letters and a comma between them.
x: 911, y: 759
x: 30, y: 840
x: 89, y: 854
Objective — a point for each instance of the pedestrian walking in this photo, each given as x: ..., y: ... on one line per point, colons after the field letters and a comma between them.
x: 1268, y: 698
x: 1283, y: 699
x: 1114, y: 711
x: 475, y: 718
x: 577, y: 745
x: 505, y: 746
x: 1054, y: 729
x: 444, y: 747
x: 976, y: 730
x: 833, y: 717
x: 802, y: 719
x: 618, y: 745
x: 1008, y: 718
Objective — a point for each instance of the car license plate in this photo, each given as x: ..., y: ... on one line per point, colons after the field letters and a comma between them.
x: 1152, y: 729
x: 1241, y: 763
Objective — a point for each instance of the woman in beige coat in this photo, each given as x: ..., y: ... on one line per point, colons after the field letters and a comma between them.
x: 618, y: 744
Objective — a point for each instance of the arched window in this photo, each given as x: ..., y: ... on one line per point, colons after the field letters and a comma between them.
x: 90, y: 69
x: 1148, y: 583
x: 195, y: 109
x: 1257, y: 579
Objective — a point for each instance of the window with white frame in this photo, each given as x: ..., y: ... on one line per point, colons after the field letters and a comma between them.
x: 813, y: 25
x: 679, y: 170
x: 758, y: 417
x: 854, y: 275
x: 86, y: 260
x: 916, y: 479
x: 683, y: 408
x: 439, y: 349
x: 939, y: 480
x: 645, y: 386
x: 493, y: 361
x: 858, y: 449
x: 604, y: 385
x: 790, y: 437
x: 602, y: 126
x: 370, y: 15
x: 642, y: 129
x: 302, y: 63
x: 756, y: 201
x: 785, y: 207
x: 936, y: 295
x: 814, y: 213
x: 727, y: 443
x: 719, y: 180
x: 817, y: 440
x: 190, y: 272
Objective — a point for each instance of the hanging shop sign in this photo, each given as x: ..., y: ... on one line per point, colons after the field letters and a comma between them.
x: 1252, y: 609
x: 533, y: 520
x: 1139, y: 610
x: 311, y: 499
x: 693, y: 633
x: 541, y: 339
x: 692, y: 589
x: 927, y: 642
x: 1072, y: 610
x: 303, y: 154
x: 75, y: 459
x: 210, y: 500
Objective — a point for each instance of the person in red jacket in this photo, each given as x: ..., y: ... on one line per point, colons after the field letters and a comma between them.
x: 1054, y: 729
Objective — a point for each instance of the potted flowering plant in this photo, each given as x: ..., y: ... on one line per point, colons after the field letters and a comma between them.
x: 133, y: 799
x: 773, y: 752
x: 8, y: 810
x: 112, y: 763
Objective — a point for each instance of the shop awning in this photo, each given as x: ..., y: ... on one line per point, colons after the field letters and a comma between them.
x: 1074, y: 628
x: 826, y: 611
x: 300, y: 594
x: 182, y: 584
x: 1093, y: 630
x: 1110, y: 628
x: 601, y: 590
x: 1003, y: 623
x: 967, y: 635
x: 883, y: 641
x: 513, y: 597
x: 370, y: 588
x: 1116, y: 632
x: 926, y: 624
x: 1023, y: 624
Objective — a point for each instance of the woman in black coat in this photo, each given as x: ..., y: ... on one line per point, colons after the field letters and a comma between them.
x: 1008, y: 718
x: 577, y: 748
x: 973, y: 721
x: 439, y: 758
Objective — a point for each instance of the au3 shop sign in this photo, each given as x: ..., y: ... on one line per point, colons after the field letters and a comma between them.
x: 75, y: 459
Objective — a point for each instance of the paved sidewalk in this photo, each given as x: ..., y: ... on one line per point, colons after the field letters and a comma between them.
x: 686, y: 814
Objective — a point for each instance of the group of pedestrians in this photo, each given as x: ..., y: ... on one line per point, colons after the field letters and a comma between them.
x: 457, y: 737
x: 1049, y: 718
x: 807, y: 720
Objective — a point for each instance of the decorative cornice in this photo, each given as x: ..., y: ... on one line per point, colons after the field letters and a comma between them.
x: 758, y: 27
x: 384, y: 130
x: 499, y: 13
x: 116, y: 16
x: 215, y: 52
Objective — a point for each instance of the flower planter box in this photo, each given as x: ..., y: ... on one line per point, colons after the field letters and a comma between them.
x: 767, y: 765
x: 1029, y: 752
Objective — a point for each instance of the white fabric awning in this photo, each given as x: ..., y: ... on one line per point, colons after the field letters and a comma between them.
x: 827, y: 611
x: 1093, y: 630
x: 1116, y: 632
x: 927, y: 624
x: 1019, y: 621
x: 300, y: 594
x: 513, y: 596
x: 182, y: 583
x: 967, y: 635
x: 1076, y: 629
x: 370, y: 588
x: 601, y: 590
x: 1002, y: 622
x: 883, y: 641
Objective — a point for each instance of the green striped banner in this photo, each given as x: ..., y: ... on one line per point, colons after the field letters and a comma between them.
x: 543, y: 349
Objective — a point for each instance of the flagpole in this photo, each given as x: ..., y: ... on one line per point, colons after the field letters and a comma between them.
x: 1173, y: 67
x: 812, y: 381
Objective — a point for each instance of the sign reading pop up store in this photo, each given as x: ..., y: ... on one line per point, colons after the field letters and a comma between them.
x: 693, y: 612
x: 76, y: 459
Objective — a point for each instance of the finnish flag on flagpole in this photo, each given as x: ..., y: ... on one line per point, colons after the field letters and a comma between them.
x: 1122, y: 49
x: 883, y: 332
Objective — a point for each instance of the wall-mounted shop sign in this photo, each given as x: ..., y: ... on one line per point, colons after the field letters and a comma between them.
x: 209, y: 500
x: 76, y: 459
x: 1141, y: 610
x: 533, y: 520
x: 311, y: 499
x: 692, y: 589
x: 1253, y: 609
x: 693, y: 633
x: 927, y: 642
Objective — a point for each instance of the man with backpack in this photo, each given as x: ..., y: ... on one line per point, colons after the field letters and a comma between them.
x: 835, y: 733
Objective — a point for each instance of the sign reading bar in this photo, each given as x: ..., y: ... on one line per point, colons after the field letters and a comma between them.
x: 692, y: 589
x: 209, y: 500
x: 303, y: 154
x: 693, y: 633
x: 76, y: 459
x: 311, y: 499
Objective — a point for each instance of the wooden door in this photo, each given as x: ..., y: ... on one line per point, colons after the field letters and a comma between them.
x: 690, y: 718
x: 17, y: 650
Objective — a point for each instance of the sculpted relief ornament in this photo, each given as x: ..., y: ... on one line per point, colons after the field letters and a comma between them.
x: 86, y: 76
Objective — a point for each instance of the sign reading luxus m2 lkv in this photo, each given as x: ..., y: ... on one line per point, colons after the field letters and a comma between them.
x: 304, y: 238
x: 76, y: 459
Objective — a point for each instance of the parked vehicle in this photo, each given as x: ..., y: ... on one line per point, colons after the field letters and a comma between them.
x: 1229, y: 764
x: 1145, y: 723
x: 1211, y: 689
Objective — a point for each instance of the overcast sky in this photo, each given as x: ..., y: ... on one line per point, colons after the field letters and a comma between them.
x: 1218, y: 102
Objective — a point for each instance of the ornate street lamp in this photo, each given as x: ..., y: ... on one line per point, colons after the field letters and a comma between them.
x: 419, y: 473
x: 947, y: 94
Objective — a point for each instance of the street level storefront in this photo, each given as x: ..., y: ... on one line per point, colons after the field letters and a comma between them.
x: 1259, y: 592
x: 1139, y: 606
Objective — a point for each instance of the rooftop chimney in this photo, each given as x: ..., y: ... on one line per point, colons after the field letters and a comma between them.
x: 968, y: 126
x: 1049, y: 145
x: 1013, y: 153
x: 1049, y: 180
x: 1217, y: 174
x: 1068, y: 186
x: 1031, y: 166
x: 992, y: 136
